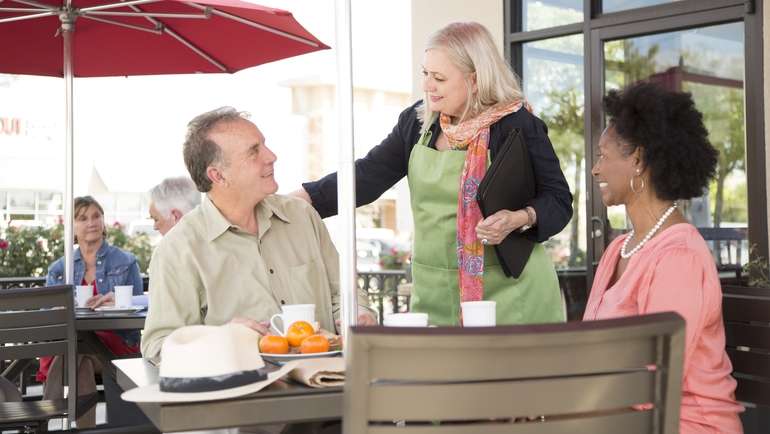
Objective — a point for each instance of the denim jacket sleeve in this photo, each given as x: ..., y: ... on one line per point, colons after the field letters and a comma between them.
x: 55, y: 274
x: 135, y: 278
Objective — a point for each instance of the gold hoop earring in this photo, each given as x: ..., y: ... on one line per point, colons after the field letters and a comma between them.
x: 631, y: 183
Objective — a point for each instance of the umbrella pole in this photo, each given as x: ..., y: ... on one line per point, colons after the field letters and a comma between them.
x: 346, y: 194
x: 67, y: 26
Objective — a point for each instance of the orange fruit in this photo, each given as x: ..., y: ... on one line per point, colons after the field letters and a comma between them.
x: 273, y: 344
x: 298, y: 331
x: 314, y: 344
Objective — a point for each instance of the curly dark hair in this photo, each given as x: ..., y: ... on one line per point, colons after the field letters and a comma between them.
x: 670, y: 131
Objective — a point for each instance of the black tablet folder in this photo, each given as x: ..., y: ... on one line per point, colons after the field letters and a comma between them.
x: 509, y: 184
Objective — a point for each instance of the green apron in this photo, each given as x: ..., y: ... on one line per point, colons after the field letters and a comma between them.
x: 434, y: 182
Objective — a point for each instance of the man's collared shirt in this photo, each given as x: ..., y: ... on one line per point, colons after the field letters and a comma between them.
x: 208, y: 271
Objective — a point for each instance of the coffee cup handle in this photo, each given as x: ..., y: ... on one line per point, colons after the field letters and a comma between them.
x: 275, y: 327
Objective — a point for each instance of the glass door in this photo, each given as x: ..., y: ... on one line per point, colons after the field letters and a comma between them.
x: 709, y: 63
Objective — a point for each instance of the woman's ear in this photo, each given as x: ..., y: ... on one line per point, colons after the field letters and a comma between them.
x: 474, y: 83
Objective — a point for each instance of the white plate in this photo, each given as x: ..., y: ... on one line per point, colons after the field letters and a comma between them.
x: 287, y: 357
x: 115, y: 309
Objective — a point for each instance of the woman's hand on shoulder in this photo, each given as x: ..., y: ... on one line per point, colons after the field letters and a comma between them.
x: 496, y: 227
x: 300, y: 193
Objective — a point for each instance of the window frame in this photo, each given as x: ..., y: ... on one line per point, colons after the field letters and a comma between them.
x: 681, y: 15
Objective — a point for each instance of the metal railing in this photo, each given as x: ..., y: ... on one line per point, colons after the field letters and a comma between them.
x: 381, y: 287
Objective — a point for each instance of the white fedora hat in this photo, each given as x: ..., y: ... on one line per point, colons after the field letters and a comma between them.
x: 206, y: 363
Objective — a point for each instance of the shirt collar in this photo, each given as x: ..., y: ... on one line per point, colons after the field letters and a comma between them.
x: 217, y: 224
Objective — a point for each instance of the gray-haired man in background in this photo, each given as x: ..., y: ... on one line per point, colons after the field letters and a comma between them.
x: 170, y: 200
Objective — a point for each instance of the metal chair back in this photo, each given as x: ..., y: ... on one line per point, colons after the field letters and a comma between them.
x: 746, y: 313
x: 37, y: 322
x: 592, y: 377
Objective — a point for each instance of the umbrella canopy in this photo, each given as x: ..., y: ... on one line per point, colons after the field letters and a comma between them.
x: 147, y: 37
x: 98, y: 38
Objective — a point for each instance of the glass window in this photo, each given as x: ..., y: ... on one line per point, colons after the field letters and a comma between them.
x: 622, y: 5
x: 709, y: 63
x: 21, y: 201
x: 553, y: 84
x: 539, y: 14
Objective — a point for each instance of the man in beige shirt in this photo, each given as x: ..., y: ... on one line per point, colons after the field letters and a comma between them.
x: 244, y: 251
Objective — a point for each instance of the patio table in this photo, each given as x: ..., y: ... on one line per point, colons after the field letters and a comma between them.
x: 284, y: 401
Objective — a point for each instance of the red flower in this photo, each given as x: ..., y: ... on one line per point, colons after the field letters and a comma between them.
x: 4, y: 244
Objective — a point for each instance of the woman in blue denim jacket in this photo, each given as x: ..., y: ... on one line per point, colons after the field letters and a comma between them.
x: 102, y: 266
x: 113, y: 267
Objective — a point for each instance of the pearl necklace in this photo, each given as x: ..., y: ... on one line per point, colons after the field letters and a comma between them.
x: 626, y: 254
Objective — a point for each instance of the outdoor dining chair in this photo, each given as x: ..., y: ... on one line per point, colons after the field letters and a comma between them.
x: 600, y: 377
x: 36, y: 322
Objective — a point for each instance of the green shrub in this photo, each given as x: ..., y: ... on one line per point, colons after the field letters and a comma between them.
x: 27, y: 252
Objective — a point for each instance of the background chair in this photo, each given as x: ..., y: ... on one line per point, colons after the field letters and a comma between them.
x: 582, y: 377
x: 37, y: 322
x: 746, y: 313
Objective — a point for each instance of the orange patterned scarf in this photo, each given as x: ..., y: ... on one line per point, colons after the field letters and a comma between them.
x: 473, y: 135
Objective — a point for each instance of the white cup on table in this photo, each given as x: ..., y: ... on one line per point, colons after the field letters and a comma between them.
x: 291, y: 313
x: 407, y: 319
x: 123, y: 295
x: 82, y: 294
x: 479, y: 313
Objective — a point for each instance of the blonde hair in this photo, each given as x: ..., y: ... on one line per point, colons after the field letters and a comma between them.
x: 470, y: 47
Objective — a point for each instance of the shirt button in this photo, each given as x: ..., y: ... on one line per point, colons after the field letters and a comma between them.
x: 98, y: 262
x: 101, y: 280
x: 272, y: 271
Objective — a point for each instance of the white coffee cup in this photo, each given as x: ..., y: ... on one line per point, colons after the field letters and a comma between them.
x: 408, y: 319
x: 479, y: 313
x: 82, y: 294
x: 123, y: 294
x: 291, y: 313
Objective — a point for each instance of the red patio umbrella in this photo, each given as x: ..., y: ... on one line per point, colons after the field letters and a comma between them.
x: 98, y: 38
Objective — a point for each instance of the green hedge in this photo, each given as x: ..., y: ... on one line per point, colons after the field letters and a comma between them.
x: 27, y: 252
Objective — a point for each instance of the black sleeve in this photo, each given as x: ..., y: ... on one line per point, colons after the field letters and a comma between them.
x: 379, y: 170
x: 553, y: 200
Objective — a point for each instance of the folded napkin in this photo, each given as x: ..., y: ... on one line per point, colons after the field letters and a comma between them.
x: 320, y: 372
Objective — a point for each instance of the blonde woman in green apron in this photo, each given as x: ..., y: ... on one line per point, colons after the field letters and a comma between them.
x: 443, y: 144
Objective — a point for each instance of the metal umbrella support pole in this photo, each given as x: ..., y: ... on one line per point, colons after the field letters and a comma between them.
x: 346, y: 175
x: 67, y: 27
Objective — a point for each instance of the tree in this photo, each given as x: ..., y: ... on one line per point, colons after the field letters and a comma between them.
x: 566, y: 129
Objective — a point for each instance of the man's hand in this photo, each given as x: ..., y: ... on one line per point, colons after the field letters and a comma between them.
x: 261, y: 327
x: 365, y: 318
x: 107, y: 299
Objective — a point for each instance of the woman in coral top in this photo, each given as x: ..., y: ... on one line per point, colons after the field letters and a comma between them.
x: 654, y: 152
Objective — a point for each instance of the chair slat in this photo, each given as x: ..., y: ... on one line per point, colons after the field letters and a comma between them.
x: 746, y: 308
x: 33, y: 318
x: 750, y: 363
x: 633, y: 422
x: 18, y: 412
x: 33, y: 334
x: 461, y: 363
x: 747, y: 335
x: 751, y: 390
x: 37, y: 298
x: 29, y: 351
x: 500, y: 399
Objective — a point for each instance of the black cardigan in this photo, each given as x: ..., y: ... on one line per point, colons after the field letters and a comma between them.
x: 387, y: 163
